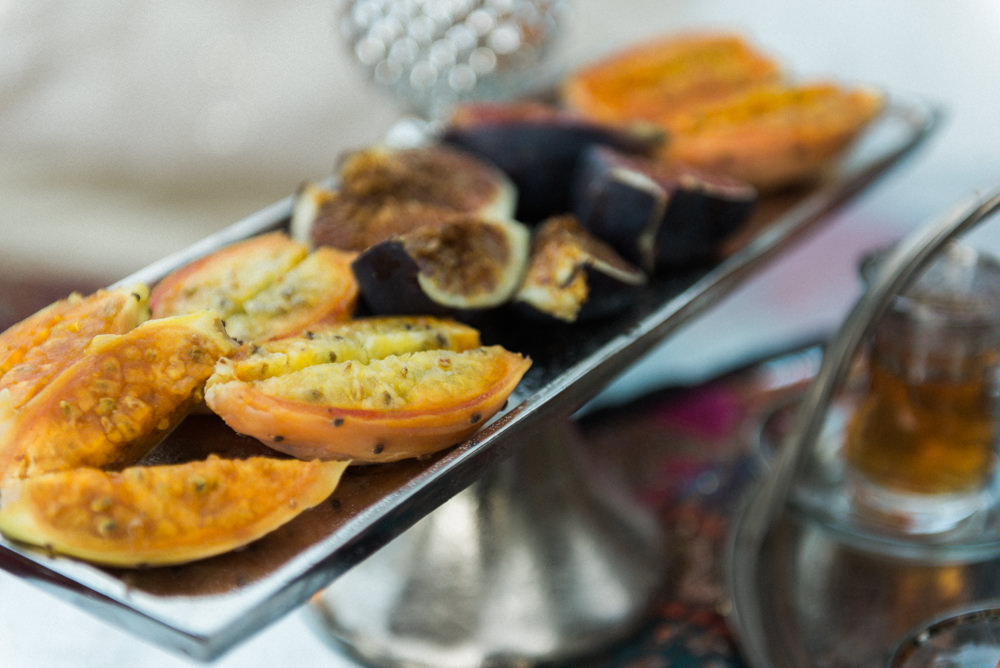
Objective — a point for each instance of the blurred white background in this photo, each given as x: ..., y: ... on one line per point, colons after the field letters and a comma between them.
x: 130, y: 130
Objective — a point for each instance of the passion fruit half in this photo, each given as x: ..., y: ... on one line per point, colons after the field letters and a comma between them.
x: 382, y: 192
x: 465, y: 265
x: 574, y: 275
x: 163, y: 515
x: 118, y: 400
x: 377, y: 390
x: 659, y: 215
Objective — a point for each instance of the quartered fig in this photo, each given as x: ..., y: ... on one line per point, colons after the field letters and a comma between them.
x: 658, y: 214
x: 382, y: 192
x: 537, y: 146
x: 572, y: 275
x: 466, y: 264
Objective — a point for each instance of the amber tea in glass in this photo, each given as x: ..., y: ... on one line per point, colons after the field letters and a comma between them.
x: 923, y: 437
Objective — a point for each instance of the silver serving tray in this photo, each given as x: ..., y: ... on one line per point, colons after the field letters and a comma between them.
x: 203, y: 609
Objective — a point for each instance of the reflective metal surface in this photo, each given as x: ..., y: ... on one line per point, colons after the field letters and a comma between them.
x: 541, y: 559
x: 784, y: 566
x: 205, y: 608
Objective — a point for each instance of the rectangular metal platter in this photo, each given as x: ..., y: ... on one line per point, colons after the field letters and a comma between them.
x: 204, y: 608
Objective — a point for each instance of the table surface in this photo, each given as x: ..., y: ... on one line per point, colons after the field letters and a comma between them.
x: 130, y: 131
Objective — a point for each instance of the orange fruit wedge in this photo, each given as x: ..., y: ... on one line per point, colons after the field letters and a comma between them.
x: 319, y: 289
x: 386, y: 395
x: 162, y: 515
x: 666, y: 75
x: 772, y: 136
x: 265, y: 287
x: 36, y: 349
x: 121, y: 397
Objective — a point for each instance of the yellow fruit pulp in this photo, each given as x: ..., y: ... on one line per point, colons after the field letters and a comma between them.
x: 161, y: 515
x: 123, y: 395
x: 35, y: 350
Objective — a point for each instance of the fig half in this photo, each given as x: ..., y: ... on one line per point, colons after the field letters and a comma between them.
x: 574, y: 275
x: 657, y: 214
x: 383, y: 192
x: 467, y: 264
x: 538, y: 147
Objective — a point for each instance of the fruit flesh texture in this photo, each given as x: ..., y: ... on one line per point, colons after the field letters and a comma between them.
x: 360, y: 340
x: 318, y: 289
x: 773, y: 136
x: 224, y: 280
x: 124, y: 394
x: 266, y: 287
x: 35, y: 350
x: 162, y: 515
x: 667, y: 75
x: 384, y: 193
x: 470, y: 263
x: 558, y: 278
x: 414, y: 398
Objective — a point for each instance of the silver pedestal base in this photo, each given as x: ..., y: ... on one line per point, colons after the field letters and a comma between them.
x: 540, y: 560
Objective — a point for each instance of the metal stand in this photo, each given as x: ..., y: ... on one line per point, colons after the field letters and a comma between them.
x: 542, y: 559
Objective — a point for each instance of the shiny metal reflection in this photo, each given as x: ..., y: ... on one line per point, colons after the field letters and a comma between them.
x: 541, y: 559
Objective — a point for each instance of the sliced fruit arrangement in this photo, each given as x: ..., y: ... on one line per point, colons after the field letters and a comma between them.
x: 122, y: 395
x: 725, y: 107
x: 266, y: 287
x: 666, y: 75
x: 658, y: 214
x: 574, y: 275
x: 382, y: 192
x: 35, y: 350
x: 163, y: 515
x: 376, y: 390
x: 467, y: 264
x: 538, y: 147
x: 773, y: 136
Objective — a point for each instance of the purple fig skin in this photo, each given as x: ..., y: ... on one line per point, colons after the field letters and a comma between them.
x: 387, y: 281
x: 656, y: 215
x: 540, y: 154
x: 463, y: 266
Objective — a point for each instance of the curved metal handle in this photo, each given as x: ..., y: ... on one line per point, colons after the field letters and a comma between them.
x: 901, y: 265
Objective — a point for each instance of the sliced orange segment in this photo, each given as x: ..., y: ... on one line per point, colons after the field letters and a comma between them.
x: 123, y: 395
x: 161, y: 515
x: 369, y: 409
x: 39, y: 347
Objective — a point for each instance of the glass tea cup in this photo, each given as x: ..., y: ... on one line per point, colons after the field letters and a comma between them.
x: 921, y: 446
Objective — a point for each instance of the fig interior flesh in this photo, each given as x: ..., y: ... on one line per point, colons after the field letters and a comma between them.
x: 465, y: 264
x: 383, y: 192
x: 574, y: 275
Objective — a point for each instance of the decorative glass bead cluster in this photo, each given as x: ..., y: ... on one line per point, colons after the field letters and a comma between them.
x: 433, y: 53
